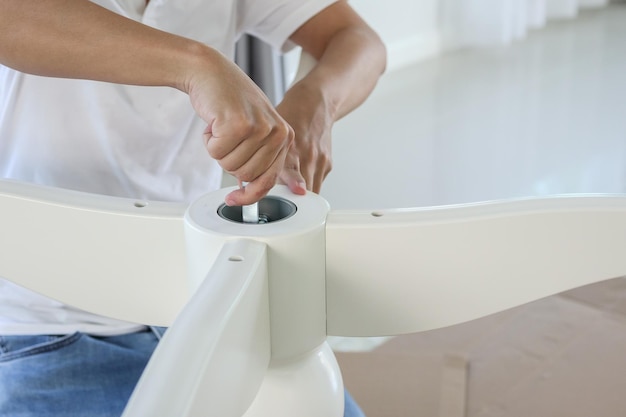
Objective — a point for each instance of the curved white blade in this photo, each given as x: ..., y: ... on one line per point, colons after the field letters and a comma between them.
x: 402, y: 271
x: 95, y: 252
x: 212, y: 360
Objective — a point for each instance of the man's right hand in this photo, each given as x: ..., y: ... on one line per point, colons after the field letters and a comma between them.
x: 80, y: 39
x: 244, y: 133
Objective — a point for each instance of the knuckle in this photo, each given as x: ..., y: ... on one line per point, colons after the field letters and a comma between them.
x: 289, y: 133
x: 313, y: 157
x: 282, y: 134
x: 261, y: 129
x: 329, y: 167
x: 218, y: 155
x: 326, y: 159
x: 242, y: 127
x: 244, y: 174
x: 259, y: 194
x: 228, y: 166
x: 267, y: 182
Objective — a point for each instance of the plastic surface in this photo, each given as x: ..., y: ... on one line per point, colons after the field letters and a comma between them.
x: 308, y: 385
x: 86, y: 250
x: 213, y: 359
x: 296, y: 255
x: 259, y: 299
x: 402, y: 271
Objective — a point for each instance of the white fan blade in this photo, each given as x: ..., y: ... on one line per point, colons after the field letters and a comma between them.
x: 95, y: 252
x: 401, y: 271
x: 213, y: 359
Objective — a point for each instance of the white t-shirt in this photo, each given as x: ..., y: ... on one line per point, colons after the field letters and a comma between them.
x: 128, y: 141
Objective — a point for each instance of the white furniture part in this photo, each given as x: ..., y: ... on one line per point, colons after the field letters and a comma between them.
x: 250, y: 305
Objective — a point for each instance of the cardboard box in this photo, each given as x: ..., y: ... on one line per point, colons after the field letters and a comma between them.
x: 400, y: 384
x: 564, y: 355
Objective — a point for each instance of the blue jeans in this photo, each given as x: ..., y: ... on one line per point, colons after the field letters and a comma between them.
x: 78, y: 375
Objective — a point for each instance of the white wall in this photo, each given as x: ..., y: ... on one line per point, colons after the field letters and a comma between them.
x: 409, y: 28
x: 434, y: 132
x: 418, y: 29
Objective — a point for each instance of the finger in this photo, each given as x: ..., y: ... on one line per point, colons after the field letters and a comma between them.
x: 251, y: 193
x: 227, y: 132
x: 255, y: 153
x: 320, y: 175
x: 218, y: 146
x: 259, y: 187
x: 247, y: 161
x: 291, y: 176
x: 305, y: 169
x: 316, y: 187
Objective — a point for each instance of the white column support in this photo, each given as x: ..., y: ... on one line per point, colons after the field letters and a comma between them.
x: 213, y: 359
x: 295, y: 235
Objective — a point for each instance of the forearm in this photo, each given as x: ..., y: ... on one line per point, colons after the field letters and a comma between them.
x: 350, y: 59
x: 79, y: 39
x: 347, y: 70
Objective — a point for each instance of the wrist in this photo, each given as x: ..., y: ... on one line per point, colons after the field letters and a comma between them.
x: 195, y: 58
x: 312, y: 92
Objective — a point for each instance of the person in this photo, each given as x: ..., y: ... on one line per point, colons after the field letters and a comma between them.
x: 141, y: 99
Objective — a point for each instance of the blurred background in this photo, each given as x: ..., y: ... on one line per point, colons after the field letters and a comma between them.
x: 482, y: 100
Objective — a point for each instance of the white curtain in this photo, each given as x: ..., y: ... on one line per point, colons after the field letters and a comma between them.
x: 496, y: 22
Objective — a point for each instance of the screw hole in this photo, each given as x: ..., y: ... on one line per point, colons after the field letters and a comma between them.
x: 377, y: 213
x: 140, y: 204
x: 236, y: 258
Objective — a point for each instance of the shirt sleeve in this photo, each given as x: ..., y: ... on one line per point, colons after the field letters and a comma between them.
x: 274, y: 21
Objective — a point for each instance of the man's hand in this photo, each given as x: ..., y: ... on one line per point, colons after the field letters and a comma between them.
x: 245, y: 134
x: 309, y: 160
x: 350, y: 58
x: 80, y: 39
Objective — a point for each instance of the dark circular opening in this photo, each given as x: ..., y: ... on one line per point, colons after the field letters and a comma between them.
x: 271, y: 209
